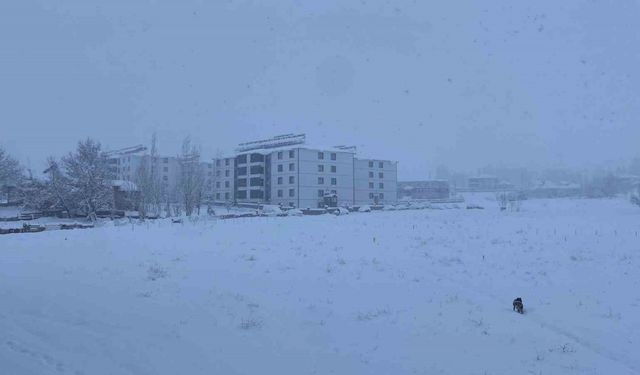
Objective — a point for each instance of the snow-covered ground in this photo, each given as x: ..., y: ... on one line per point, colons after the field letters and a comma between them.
x: 401, y: 292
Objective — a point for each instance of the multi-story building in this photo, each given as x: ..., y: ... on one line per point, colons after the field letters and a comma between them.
x: 223, y: 179
x: 125, y: 164
x: 285, y: 171
x: 376, y: 181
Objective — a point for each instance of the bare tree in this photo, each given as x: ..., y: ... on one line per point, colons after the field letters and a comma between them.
x: 10, y: 173
x: 57, y: 187
x: 89, y: 177
x: 191, y: 181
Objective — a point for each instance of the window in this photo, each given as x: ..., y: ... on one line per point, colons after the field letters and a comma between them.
x: 320, y: 155
x: 217, y: 162
x: 242, y: 171
x: 226, y: 173
x: 165, y: 178
x: 217, y: 195
x: 370, y: 174
x: 370, y: 185
x: 370, y: 195
x: 165, y: 169
x: 242, y: 159
x: 320, y: 180
x: 242, y: 194
x: 381, y: 195
x: 292, y: 154
x: 333, y: 156
x: 226, y: 161
x: 209, y: 166
x: 380, y: 175
x: 292, y: 180
x: 370, y: 164
x: 292, y: 167
x: 279, y: 180
x: 242, y: 182
x: 334, y: 192
x: 292, y: 192
x: 333, y: 169
x: 218, y: 185
x: 256, y: 181
x: 257, y: 169
x: 334, y: 181
x: 226, y: 196
x: 226, y: 184
x: 321, y: 193
x: 165, y: 160
x: 279, y: 167
x: 256, y: 194
x: 381, y: 185
x: 218, y: 173
x: 256, y: 158
x: 279, y: 193
x: 320, y: 168
x: 280, y: 156
x: 380, y: 164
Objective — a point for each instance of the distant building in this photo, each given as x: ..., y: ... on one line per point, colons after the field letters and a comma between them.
x: 547, y: 189
x: 483, y: 183
x: 428, y: 189
x: 488, y: 183
x: 284, y: 170
x: 124, y: 165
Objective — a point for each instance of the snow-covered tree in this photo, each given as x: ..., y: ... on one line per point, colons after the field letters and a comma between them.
x: 89, y: 177
x: 10, y: 171
x: 191, y: 181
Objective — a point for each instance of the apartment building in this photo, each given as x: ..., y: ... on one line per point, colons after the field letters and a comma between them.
x: 124, y: 165
x: 376, y: 181
x: 284, y: 170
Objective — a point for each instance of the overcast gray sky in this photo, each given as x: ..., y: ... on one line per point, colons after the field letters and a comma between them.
x: 462, y: 83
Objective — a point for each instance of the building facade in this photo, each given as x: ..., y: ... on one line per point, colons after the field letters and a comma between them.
x: 285, y: 171
x: 125, y: 166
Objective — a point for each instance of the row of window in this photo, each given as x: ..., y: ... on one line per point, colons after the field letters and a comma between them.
x: 255, y: 169
x: 380, y: 174
x: 226, y: 162
x: 380, y: 164
x: 254, y: 181
x: 226, y: 184
x: 227, y: 173
x: 380, y: 195
x: 292, y: 193
x: 380, y: 185
x: 254, y: 158
x: 321, y: 168
x: 292, y: 180
x: 321, y: 155
x: 292, y: 154
x: 292, y: 167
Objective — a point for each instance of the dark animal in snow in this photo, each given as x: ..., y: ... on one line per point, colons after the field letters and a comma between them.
x: 518, y: 306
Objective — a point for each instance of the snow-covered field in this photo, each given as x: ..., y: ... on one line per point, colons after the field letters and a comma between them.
x: 403, y: 292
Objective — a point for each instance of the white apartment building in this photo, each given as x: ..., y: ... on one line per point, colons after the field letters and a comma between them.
x: 376, y: 181
x: 285, y: 171
x: 124, y: 165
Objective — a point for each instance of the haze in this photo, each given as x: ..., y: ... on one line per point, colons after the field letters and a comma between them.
x: 459, y: 83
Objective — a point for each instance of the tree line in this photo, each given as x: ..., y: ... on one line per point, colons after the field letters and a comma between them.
x: 83, y: 182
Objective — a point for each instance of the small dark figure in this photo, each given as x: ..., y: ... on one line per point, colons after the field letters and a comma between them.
x: 518, y: 306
